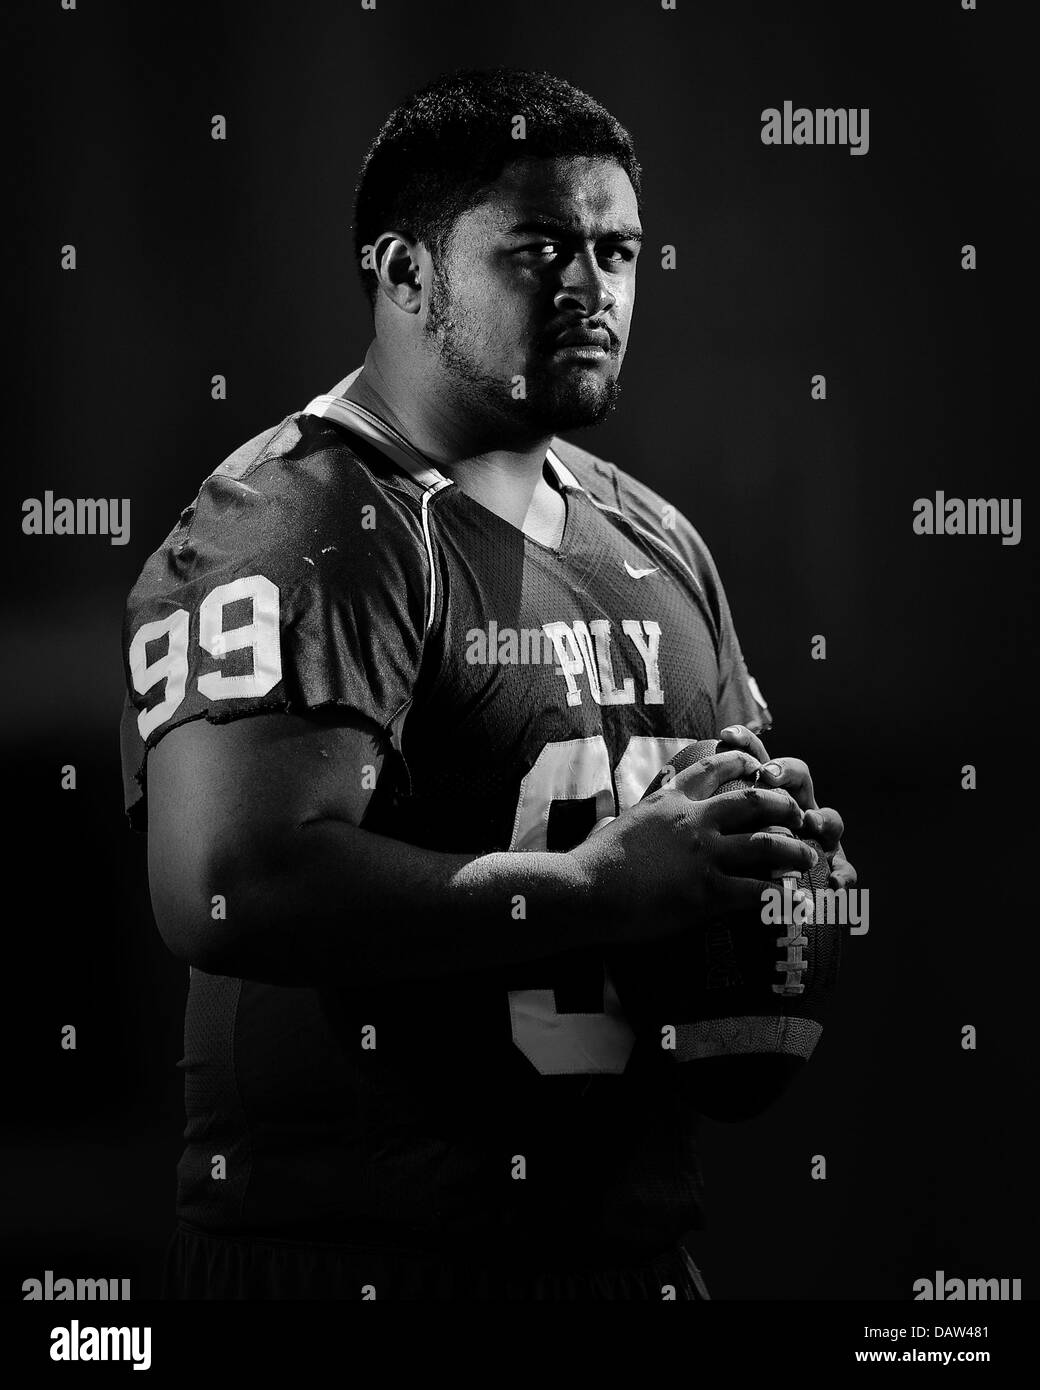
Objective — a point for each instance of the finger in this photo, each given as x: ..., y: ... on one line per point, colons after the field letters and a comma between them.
x: 737, y: 736
x: 824, y: 824
x: 842, y: 874
x: 764, y: 854
x: 793, y: 775
x: 731, y: 895
x: 703, y: 779
x: 751, y: 808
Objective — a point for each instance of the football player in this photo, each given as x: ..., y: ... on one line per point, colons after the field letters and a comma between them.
x: 400, y: 656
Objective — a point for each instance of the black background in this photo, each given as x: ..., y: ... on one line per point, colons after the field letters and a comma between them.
x: 198, y: 257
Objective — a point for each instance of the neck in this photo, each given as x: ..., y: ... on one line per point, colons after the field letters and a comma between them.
x: 424, y: 404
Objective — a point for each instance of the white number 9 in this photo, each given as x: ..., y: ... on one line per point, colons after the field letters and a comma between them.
x: 172, y: 667
x: 261, y: 634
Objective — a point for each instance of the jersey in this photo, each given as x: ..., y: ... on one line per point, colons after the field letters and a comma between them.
x: 523, y: 693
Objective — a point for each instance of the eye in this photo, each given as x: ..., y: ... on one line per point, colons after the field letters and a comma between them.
x: 616, y: 255
x: 538, y: 250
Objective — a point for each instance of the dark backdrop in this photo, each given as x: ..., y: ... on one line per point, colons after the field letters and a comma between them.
x: 197, y: 257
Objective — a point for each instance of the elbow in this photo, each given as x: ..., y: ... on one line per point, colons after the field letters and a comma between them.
x: 245, y: 929
x: 192, y: 934
x: 204, y: 914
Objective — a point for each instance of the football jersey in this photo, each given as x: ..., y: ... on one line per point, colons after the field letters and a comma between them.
x: 523, y: 694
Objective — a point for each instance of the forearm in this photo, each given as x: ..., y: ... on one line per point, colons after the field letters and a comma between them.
x: 338, y: 905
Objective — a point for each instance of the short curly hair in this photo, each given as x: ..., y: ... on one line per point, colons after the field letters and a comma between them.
x: 437, y: 153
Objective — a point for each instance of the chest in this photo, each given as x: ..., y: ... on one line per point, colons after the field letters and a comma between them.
x: 556, y: 685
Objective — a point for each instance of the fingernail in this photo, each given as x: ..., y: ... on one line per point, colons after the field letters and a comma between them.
x: 774, y: 769
x: 732, y: 731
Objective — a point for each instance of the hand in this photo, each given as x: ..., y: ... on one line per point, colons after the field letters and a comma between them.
x: 684, y: 855
x: 823, y: 823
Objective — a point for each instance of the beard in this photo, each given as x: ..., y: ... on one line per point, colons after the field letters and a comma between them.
x: 552, y: 400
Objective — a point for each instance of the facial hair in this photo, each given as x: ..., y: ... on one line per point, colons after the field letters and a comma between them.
x: 551, y: 403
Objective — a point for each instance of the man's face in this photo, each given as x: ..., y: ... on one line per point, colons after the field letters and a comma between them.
x: 538, y: 282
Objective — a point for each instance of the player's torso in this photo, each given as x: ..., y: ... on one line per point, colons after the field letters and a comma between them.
x: 553, y: 685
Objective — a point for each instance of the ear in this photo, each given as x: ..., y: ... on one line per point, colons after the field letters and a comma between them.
x: 399, y: 270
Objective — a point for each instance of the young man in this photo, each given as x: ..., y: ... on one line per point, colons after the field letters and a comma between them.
x: 460, y: 643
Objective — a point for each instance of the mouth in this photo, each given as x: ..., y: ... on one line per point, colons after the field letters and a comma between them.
x: 582, y: 345
x: 581, y: 352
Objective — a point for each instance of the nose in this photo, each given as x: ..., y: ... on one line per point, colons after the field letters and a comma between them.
x: 583, y: 286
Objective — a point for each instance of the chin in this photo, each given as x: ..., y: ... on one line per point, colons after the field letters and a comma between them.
x: 571, y: 405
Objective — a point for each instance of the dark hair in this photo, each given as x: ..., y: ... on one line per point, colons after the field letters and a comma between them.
x: 449, y: 141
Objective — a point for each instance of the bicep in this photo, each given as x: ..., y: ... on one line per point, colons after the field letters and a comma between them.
x: 227, y: 799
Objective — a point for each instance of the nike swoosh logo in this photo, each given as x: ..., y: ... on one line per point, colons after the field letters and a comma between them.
x: 639, y: 574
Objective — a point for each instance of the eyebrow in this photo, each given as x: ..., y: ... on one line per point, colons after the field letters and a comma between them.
x: 548, y: 227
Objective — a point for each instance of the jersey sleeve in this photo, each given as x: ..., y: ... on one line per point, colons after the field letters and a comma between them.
x: 739, y: 699
x: 296, y: 583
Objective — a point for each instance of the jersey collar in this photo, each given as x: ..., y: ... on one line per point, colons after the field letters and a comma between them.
x: 335, y: 406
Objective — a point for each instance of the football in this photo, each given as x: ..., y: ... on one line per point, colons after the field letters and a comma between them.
x: 736, y: 1005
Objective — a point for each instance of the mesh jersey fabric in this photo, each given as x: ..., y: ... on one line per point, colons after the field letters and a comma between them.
x: 313, y: 573
x: 204, y: 1267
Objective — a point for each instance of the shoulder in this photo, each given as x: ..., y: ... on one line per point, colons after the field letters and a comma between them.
x: 295, y: 499
x: 306, y: 470
x: 612, y: 487
x: 296, y: 580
